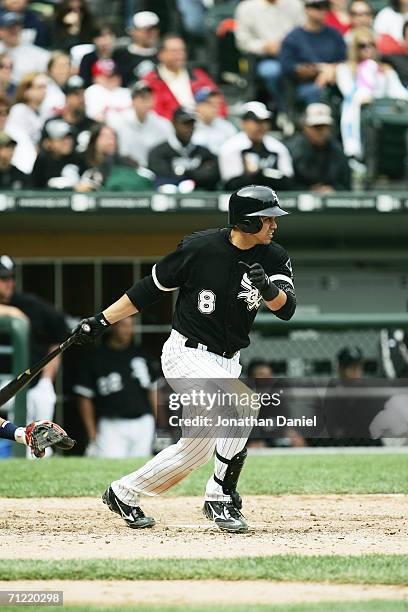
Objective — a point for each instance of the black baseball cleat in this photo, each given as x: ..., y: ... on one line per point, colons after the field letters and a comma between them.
x: 133, y: 516
x: 226, y: 516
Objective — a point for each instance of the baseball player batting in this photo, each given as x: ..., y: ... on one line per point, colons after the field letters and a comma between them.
x: 223, y: 275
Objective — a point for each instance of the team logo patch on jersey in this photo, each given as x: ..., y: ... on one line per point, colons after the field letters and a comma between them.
x: 251, y: 295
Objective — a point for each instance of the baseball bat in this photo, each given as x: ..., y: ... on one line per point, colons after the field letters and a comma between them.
x: 24, y: 378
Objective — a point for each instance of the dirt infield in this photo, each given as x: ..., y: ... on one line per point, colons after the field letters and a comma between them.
x: 84, y: 528
x: 122, y: 593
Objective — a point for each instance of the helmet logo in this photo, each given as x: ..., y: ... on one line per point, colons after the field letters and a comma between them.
x: 250, y: 294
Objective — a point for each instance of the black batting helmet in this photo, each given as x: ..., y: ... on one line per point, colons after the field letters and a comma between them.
x: 248, y: 204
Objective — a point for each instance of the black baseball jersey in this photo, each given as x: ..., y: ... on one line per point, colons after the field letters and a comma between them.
x: 217, y: 304
x: 117, y: 381
x: 47, y: 325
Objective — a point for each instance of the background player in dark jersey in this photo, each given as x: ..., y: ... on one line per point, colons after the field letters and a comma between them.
x: 223, y: 276
x: 47, y: 330
x: 116, y: 396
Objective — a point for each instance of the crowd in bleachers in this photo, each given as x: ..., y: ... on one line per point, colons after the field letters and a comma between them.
x: 87, y: 105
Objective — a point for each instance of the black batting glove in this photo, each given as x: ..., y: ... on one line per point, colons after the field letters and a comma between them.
x: 261, y: 281
x: 88, y: 330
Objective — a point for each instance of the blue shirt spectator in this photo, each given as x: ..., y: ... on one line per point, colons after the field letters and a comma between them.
x: 310, y: 53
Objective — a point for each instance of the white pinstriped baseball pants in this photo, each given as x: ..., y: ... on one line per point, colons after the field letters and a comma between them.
x: 178, y: 460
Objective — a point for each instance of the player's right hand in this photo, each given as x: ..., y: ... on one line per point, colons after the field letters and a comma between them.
x: 88, y: 330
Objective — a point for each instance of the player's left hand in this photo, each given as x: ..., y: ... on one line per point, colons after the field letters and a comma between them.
x: 261, y: 281
x: 43, y: 434
x: 257, y: 276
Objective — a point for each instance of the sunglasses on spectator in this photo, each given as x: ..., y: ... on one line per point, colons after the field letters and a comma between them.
x: 7, y: 66
x: 366, y: 45
x: 320, y: 6
x: 360, y: 14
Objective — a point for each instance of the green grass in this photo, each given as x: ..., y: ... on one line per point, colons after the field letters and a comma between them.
x: 366, y: 606
x: 262, y: 475
x: 365, y: 569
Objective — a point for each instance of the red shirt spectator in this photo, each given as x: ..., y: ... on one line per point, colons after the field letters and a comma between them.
x: 338, y: 16
x: 172, y: 83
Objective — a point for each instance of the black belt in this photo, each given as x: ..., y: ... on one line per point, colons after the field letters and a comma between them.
x: 189, y: 343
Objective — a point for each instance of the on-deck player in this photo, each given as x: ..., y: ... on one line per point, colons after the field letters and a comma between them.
x: 223, y: 275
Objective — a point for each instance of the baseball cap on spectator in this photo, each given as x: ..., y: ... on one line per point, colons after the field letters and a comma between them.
x: 9, y: 19
x: 57, y: 128
x: 104, y: 67
x: 318, y: 114
x: 184, y: 115
x: 204, y: 93
x: 7, y: 267
x: 74, y: 84
x: 349, y: 355
x: 6, y: 140
x: 256, y: 111
x: 145, y: 19
x: 139, y: 87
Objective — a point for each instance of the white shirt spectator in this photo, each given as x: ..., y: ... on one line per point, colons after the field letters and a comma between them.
x: 99, y: 101
x: 26, y: 58
x: 260, y: 22
x: 231, y: 162
x: 390, y: 22
x: 136, y: 138
x: 179, y: 85
x: 213, y: 135
x: 54, y: 101
x: 24, y: 126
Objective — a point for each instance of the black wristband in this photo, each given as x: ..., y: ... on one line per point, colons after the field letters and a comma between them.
x: 102, y: 321
x: 270, y: 292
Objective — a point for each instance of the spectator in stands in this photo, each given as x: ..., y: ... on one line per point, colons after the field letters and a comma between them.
x: 59, y: 70
x: 361, y: 15
x: 7, y: 87
x: 73, y: 113
x: 179, y: 160
x: 172, y: 83
x: 104, y: 41
x: 260, y: 28
x: 309, y: 54
x: 211, y: 130
x: 57, y: 165
x: 389, y: 23
x: 117, y: 397
x: 106, y: 94
x: 360, y: 80
x: 398, y: 58
x: 253, y: 155
x: 73, y: 24
x: 10, y: 176
x: 47, y: 330
x: 338, y: 16
x: 4, y: 112
x: 34, y: 29
x: 192, y: 14
x: 106, y: 169
x: 140, y: 57
x: 139, y: 129
x: 318, y: 159
x: 24, y: 122
x: 26, y: 57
